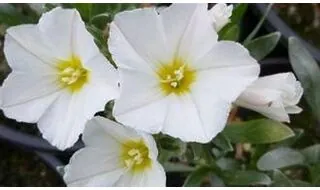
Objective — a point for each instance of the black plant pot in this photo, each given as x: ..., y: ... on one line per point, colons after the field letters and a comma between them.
x: 275, y: 23
x: 32, y: 142
x: 21, y: 167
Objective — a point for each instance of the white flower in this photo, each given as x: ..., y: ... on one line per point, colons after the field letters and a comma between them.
x: 219, y: 15
x: 114, y: 155
x: 274, y: 96
x: 59, y: 77
x: 175, y: 76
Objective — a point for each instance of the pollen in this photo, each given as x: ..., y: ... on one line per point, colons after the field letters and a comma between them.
x: 71, y: 74
x: 135, y: 156
x: 176, y: 77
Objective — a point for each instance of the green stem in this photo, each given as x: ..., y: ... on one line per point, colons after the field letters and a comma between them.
x: 257, y: 28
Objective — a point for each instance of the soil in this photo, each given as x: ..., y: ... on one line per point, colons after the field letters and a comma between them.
x: 304, y: 18
x: 19, y: 168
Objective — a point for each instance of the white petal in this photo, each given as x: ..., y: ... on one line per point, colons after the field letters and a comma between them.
x: 93, y: 167
x: 21, y: 88
x: 101, y: 71
x: 226, y: 71
x: 283, y: 82
x: 57, y: 25
x: 83, y: 44
x: 28, y: 50
x: 274, y: 110
x: 26, y: 97
x: 63, y: 121
x: 140, y: 98
x: 96, y: 134
x: 274, y: 81
x: 274, y: 96
x: 293, y: 109
x: 137, y: 39
x: 188, y: 29
x: 198, y: 36
x: 111, y: 131
x: 220, y: 14
x: 195, y: 117
x: 30, y: 111
x: 151, y: 144
x: 154, y: 177
x: 258, y: 96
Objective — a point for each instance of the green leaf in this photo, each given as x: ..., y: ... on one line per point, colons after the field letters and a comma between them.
x: 257, y: 132
x: 48, y: 7
x: 216, y: 181
x: 280, y: 158
x: 172, y: 144
x: 196, y: 178
x: 228, y: 164
x: 262, y: 46
x: 169, y: 147
x: 245, y: 178
x: 312, y: 154
x: 298, y: 133
x: 222, y: 142
x: 299, y: 183
x: 281, y: 180
x: 85, y: 10
x: 202, y: 153
x: 100, y: 14
x: 11, y: 16
x: 315, y: 174
x: 177, y: 167
x: 238, y: 12
x: 257, y: 28
x: 308, y: 72
x: 229, y: 32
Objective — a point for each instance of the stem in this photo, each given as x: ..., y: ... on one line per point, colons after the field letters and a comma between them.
x: 257, y: 28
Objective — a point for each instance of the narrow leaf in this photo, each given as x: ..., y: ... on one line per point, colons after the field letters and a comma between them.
x: 228, y: 164
x: 216, y: 181
x: 222, y: 142
x: 238, y: 12
x: 245, y: 178
x: 280, y: 158
x: 312, y: 154
x: 308, y: 72
x: 177, y: 167
x: 257, y: 28
x: 229, y: 32
x: 281, y: 180
x: 196, y: 178
x: 11, y: 16
x: 315, y: 174
x: 258, y: 132
x: 260, y: 47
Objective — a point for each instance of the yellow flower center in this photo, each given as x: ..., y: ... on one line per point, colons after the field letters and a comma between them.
x: 71, y: 74
x: 135, y: 156
x: 176, y: 77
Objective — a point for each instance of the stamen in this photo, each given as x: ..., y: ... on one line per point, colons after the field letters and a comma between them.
x: 178, y: 76
x: 70, y: 75
x: 136, y: 157
x: 174, y: 84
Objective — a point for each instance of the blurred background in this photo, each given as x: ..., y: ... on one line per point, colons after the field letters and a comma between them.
x: 28, y: 160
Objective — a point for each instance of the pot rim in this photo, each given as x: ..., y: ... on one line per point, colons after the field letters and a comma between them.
x: 32, y: 142
x: 276, y: 23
